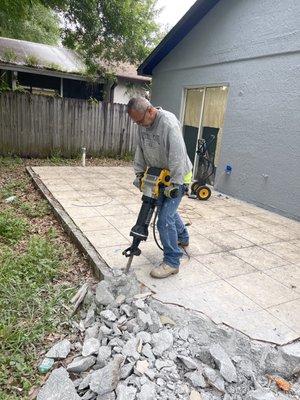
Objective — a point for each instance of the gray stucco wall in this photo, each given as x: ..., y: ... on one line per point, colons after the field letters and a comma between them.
x: 254, y: 47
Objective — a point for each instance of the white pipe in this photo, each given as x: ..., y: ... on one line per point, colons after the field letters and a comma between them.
x: 83, y: 156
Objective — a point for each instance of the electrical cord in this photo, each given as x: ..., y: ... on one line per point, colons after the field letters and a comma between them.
x: 154, y: 230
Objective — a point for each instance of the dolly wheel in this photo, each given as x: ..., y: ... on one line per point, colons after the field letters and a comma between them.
x: 203, y: 193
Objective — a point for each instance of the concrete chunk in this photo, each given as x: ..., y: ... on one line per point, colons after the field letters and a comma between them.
x: 106, y: 379
x: 141, y: 367
x: 108, y: 396
x: 126, y: 370
x: 144, y: 319
x: 81, y: 364
x: 90, y: 316
x: 260, y: 394
x: 103, y: 294
x: 291, y: 353
x: 195, y: 395
x: 188, y: 362
x: 196, y: 379
x: 90, y: 346
x: 147, y: 352
x: 140, y: 304
x: 104, y: 353
x: 184, y: 333
x: 92, y: 332
x: 160, y: 364
x: 214, y: 379
x: 162, y: 341
x: 144, y: 336
x: 60, y: 350
x: 108, y: 315
x: 89, y: 395
x: 147, y: 392
x: 120, y: 299
x: 58, y: 387
x: 130, y: 349
x: 85, y: 383
x: 223, y: 362
x: 126, y: 392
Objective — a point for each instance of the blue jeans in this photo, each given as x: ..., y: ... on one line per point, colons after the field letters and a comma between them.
x: 171, y: 228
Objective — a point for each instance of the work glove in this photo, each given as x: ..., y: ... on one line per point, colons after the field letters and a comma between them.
x: 171, y: 191
x: 138, y: 180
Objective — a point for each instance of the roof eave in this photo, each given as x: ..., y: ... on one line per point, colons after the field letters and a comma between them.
x: 42, y: 71
x: 176, y: 34
x: 140, y: 79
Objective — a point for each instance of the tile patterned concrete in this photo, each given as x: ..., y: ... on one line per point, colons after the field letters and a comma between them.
x: 245, y: 264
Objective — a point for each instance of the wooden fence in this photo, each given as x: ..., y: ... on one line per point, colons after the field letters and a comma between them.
x: 40, y: 126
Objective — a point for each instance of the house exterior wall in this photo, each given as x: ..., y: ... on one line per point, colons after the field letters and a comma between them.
x: 254, y: 47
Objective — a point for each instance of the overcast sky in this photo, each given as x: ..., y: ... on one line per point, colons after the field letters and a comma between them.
x: 173, y: 10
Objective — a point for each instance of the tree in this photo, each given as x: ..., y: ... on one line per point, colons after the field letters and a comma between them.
x: 111, y: 30
x: 29, y: 20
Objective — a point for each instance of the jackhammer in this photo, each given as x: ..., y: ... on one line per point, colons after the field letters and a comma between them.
x: 153, y: 183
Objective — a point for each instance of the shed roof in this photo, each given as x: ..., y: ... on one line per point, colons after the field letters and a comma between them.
x: 23, y: 53
x: 176, y: 34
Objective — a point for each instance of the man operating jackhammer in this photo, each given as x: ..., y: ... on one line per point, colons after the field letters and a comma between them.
x: 160, y: 144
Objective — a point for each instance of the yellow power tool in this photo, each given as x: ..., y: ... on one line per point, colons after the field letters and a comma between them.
x: 153, y: 183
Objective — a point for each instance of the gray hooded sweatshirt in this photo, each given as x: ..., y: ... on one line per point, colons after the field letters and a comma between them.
x: 161, y: 145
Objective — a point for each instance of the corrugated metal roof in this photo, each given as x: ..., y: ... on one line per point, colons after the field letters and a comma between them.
x: 24, y: 53
x: 176, y: 34
x: 51, y: 57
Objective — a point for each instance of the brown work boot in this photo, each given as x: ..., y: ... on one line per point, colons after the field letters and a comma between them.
x: 163, y: 271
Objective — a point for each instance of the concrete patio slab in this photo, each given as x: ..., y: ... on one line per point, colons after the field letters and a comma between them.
x: 289, y: 276
x: 245, y: 261
x: 262, y: 289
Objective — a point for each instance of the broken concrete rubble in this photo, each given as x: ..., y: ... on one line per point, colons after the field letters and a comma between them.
x: 195, y: 395
x: 147, y: 392
x: 162, y: 341
x: 130, y: 349
x: 188, y: 362
x: 90, y: 346
x: 60, y: 350
x: 126, y: 392
x: 104, y: 352
x: 106, y: 379
x: 261, y: 394
x: 196, y: 379
x: 139, y: 348
x: 214, y: 379
x: 223, y: 362
x: 103, y: 295
x: 81, y: 364
x: 58, y: 387
x: 292, y: 353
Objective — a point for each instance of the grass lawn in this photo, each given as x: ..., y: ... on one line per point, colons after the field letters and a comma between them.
x: 37, y: 279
